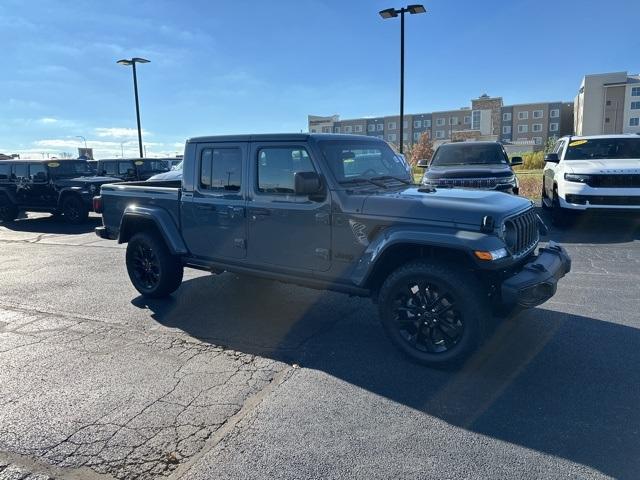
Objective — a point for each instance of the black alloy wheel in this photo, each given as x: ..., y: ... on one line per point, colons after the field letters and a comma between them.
x: 74, y: 210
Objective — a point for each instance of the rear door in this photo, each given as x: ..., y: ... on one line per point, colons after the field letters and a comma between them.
x: 38, y: 185
x: 286, y: 230
x: 20, y: 175
x: 214, y: 222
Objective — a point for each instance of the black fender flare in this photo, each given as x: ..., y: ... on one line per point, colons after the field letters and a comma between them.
x: 465, y: 241
x: 163, y: 222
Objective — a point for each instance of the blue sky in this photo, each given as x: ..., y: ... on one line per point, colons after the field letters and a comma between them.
x: 249, y: 66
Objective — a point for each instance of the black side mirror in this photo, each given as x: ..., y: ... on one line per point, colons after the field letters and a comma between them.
x: 516, y: 161
x: 423, y: 163
x: 307, y: 183
x: 551, y: 158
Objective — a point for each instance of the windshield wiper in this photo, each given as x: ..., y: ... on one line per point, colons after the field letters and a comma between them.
x: 393, y: 177
x: 363, y: 179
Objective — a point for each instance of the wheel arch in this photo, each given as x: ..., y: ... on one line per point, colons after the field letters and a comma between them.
x: 139, y: 219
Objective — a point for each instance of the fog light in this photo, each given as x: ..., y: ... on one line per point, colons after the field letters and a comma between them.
x: 491, y: 255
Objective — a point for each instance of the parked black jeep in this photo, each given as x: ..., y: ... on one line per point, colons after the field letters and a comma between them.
x: 63, y: 187
x: 132, y: 169
x: 479, y: 165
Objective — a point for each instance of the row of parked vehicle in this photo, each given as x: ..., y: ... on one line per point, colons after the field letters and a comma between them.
x: 66, y: 187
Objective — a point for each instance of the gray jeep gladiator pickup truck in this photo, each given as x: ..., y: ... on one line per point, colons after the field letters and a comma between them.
x: 339, y: 212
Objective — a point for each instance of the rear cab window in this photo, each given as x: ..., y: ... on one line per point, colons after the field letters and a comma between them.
x: 221, y: 170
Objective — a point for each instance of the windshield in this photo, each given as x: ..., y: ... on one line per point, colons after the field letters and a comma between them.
x: 469, y: 154
x: 603, y: 148
x: 68, y: 168
x: 363, y: 160
x: 153, y: 165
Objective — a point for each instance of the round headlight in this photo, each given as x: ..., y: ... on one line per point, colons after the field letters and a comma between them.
x: 509, y: 235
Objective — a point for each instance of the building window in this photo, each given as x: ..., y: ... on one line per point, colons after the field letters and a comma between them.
x: 336, y: 129
x: 634, y: 121
x: 635, y: 92
x: 453, y: 120
x: 405, y: 136
x: 467, y: 119
x: 506, y: 117
x: 380, y: 127
x: 427, y: 123
x: 537, y: 140
x: 607, y: 120
x: 416, y: 136
x: 277, y: 167
x: 635, y: 105
x: 439, y: 133
x: 553, y: 127
x: 405, y: 124
x: 475, y: 120
x: 392, y: 137
x: 538, y: 114
x: 608, y: 103
x: 371, y: 127
x: 358, y: 128
x: 536, y: 127
x: 555, y: 113
x: 523, y: 128
x: 417, y: 123
x: 439, y: 122
x: 391, y: 125
x: 348, y: 129
x: 523, y: 115
x: 506, y: 129
x: 326, y: 129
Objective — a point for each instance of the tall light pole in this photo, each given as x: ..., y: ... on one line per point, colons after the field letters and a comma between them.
x: 392, y: 13
x: 122, y: 149
x: 132, y: 62
x: 84, y: 139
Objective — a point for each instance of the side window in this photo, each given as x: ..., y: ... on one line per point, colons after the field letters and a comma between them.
x: 559, y: 147
x: 20, y: 170
x: 37, y: 172
x: 110, y: 168
x: 124, y: 167
x: 5, y: 172
x: 221, y: 169
x: 277, y: 165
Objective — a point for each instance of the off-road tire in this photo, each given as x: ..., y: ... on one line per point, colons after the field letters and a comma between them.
x: 8, y: 211
x: 74, y: 211
x: 165, y: 271
x: 466, y: 294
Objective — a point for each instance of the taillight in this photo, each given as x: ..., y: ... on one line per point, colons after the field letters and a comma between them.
x: 97, y: 204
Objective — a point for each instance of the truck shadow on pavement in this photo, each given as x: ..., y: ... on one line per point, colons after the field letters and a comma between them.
x: 561, y: 384
x: 51, y: 225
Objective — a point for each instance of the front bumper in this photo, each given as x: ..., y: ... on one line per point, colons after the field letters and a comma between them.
x: 537, y: 281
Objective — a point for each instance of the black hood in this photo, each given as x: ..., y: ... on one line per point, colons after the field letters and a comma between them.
x: 450, y: 205
x: 469, y: 171
x: 81, y: 181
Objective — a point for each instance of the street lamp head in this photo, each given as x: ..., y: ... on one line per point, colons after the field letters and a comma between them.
x: 124, y: 62
x: 389, y: 13
x: 143, y: 60
x: 413, y: 9
x: 128, y: 63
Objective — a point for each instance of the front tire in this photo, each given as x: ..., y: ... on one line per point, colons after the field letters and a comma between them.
x: 74, y: 211
x: 560, y: 217
x: 152, y: 269
x: 433, y: 313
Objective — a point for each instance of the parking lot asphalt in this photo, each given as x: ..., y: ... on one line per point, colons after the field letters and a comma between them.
x: 235, y: 377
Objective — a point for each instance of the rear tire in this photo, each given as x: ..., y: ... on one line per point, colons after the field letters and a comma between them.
x: 432, y: 313
x: 8, y: 211
x: 152, y: 269
x: 74, y: 210
x: 544, y: 199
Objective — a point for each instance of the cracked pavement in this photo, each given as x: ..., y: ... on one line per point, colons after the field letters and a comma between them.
x: 236, y: 377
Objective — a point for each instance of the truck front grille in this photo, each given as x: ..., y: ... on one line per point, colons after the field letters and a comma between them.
x: 521, y: 233
x: 615, y: 181
x: 490, y: 182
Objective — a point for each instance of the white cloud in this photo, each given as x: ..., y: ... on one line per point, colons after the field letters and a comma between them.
x: 119, y: 132
x: 48, y: 120
x: 101, y: 148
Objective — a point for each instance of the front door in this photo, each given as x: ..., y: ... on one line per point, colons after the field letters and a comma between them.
x: 550, y: 169
x: 38, y: 186
x: 214, y: 221
x: 286, y: 230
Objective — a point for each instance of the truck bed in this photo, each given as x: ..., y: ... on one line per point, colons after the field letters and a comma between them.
x: 116, y: 197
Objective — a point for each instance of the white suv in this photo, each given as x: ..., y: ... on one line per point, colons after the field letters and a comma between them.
x: 592, y: 173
